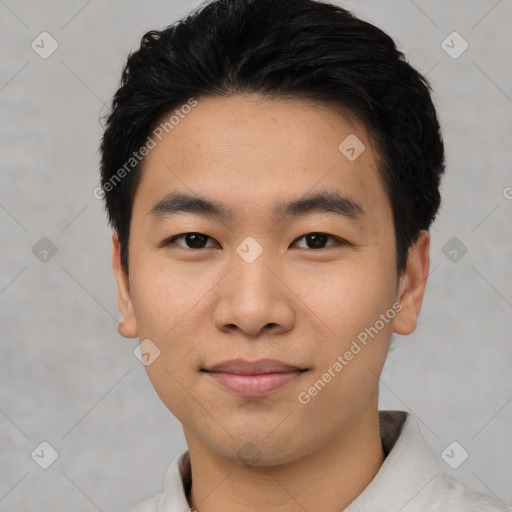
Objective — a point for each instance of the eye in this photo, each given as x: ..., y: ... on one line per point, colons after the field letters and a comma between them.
x: 319, y: 240
x: 199, y: 241
x: 192, y: 240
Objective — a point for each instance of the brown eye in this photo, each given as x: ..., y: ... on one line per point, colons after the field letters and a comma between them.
x: 191, y: 240
x: 318, y: 241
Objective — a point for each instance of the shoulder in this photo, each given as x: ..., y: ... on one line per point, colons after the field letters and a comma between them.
x: 149, y: 505
x: 412, y: 479
x: 450, y: 495
x: 174, y: 495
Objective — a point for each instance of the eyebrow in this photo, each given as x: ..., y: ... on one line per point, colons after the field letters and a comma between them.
x: 324, y: 202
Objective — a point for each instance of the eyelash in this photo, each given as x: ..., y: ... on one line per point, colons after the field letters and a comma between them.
x: 338, y: 241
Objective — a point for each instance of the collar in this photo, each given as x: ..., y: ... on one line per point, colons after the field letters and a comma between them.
x: 409, y: 467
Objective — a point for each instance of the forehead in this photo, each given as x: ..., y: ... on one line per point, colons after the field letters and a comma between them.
x: 248, y: 151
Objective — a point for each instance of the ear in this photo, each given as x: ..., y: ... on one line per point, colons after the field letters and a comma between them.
x: 128, y: 325
x: 412, y: 283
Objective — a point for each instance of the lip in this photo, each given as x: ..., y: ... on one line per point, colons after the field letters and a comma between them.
x: 254, y: 378
x: 259, y: 367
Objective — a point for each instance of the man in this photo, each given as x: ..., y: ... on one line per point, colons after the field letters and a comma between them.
x: 271, y: 169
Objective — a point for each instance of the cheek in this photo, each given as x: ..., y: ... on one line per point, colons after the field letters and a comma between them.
x: 172, y: 308
x: 162, y: 294
x: 355, y: 306
x: 164, y: 302
x: 357, y: 321
x: 348, y: 298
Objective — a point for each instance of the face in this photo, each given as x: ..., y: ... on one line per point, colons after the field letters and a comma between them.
x: 289, y: 256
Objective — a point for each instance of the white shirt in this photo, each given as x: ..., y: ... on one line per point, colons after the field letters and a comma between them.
x: 411, y: 479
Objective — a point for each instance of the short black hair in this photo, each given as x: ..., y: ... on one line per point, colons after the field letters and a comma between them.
x: 299, y: 49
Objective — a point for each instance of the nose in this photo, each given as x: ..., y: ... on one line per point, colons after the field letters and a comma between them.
x: 253, y: 300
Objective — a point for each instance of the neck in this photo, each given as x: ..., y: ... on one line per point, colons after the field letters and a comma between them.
x: 328, y: 479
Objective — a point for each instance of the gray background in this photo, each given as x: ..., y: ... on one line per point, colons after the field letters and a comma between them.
x: 69, y: 379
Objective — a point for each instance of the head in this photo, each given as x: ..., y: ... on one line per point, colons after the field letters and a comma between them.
x: 302, y: 155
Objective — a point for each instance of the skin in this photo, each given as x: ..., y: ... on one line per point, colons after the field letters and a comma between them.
x: 294, y: 303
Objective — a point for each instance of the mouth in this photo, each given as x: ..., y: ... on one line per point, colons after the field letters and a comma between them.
x: 254, y: 379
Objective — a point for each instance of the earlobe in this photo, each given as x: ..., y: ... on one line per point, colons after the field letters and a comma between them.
x: 128, y: 325
x: 412, y: 285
